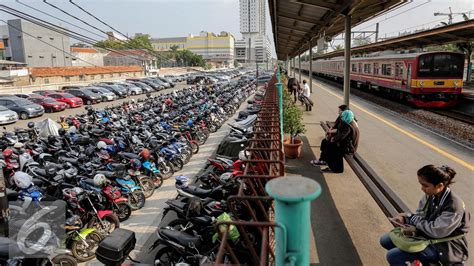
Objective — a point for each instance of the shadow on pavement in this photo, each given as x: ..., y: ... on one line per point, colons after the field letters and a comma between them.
x: 333, y: 243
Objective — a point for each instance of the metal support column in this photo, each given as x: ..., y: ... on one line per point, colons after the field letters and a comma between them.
x: 293, y: 196
x: 347, y: 60
x: 299, y: 67
x: 310, y: 66
x: 294, y: 65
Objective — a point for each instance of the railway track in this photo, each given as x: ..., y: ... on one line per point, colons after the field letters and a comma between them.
x: 457, y: 115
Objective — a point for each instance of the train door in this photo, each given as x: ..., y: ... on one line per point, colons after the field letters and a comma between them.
x: 409, y: 77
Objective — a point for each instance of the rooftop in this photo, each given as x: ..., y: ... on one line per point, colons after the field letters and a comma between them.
x: 87, y: 50
x: 75, y: 71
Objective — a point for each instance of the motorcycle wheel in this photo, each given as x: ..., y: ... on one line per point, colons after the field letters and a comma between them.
x: 64, y: 260
x: 166, y: 169
x: 123, y: 211
x: 201, y: 138
x: 158, y: 181
x: 82, y: 253
x: 137, y: 199
x: 194, y: 147
x: 177, y: 164
x: 147, y: 185
x: 166, y: 256
x: 110, y: 222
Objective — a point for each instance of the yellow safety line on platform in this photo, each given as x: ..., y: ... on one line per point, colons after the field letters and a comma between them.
x: 409, y: 134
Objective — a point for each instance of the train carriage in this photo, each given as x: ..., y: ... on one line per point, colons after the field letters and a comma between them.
x: 432, y: 79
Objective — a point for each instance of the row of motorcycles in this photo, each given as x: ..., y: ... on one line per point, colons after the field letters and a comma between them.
x: 188, y: 236
x: 100, y: 166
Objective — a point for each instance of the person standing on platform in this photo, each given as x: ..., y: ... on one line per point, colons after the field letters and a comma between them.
x: 441, y: 214
x: 293, y: 87
x: 306, y: 93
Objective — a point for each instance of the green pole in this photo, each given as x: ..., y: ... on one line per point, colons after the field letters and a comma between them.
x: 280, y: 104
x: 293, y: 196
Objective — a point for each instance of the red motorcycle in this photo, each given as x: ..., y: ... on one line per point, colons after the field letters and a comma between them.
x: 11, y: 165
x: 116, y: 202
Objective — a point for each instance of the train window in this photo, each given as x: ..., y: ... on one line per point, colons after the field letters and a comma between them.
x: 354, y: 68
x: 398, y: 70
x: 441, y: 65
x: 386, y: 69
x: 376, y: 68
x: 367, y: 68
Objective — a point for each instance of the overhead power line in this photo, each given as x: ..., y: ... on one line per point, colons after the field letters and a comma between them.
x: 57, y: 48
x: 98, y: 19
x: 58, y: 29
x: 92, y: 26
x: 62, y: 20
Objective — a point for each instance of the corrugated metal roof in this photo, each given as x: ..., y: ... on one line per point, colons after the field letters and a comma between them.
x: 295, y: 22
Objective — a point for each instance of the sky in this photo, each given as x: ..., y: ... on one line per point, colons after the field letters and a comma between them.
x: 178, y: 18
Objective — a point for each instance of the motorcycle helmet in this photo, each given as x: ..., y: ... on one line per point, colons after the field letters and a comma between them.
x: 145, y: 154
x: 225, y: 178
x: 61, y: 132
x: 31, y: 124
x: 135, y: 164
x: 22, y: 180
x: 133, y: 100
x: 100, y: 180
x: 62, y: 118
x: 244, y: 155
x: 7, y: 153
x: 182, y: 181
x: 101, y: 145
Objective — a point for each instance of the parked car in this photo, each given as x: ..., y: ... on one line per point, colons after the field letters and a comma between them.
x: 24, y: 108
x: 7, y: 116
x: 44, y: 92
x: 49, y: 104
x: 169, y: 81
x: 70, y: 100
x: 117, y: 90
x: 105, y: 94
x: 131, y: 88
x: 146, y: 88
x: 88, y: 97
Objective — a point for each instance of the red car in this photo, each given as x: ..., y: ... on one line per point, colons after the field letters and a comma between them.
x: 49, y: 104
x: 69, y: 99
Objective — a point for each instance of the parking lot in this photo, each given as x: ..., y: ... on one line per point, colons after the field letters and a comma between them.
x: 72, y: 111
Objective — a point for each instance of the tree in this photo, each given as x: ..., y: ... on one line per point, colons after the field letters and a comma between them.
x: 236, y: 64
x: 466, y: 48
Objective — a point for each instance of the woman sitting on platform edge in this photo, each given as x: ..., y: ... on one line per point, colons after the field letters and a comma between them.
x: 441, y: 214
x: 341, y: 139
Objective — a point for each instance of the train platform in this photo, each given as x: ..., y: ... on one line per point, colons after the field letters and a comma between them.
x: 345, y: 218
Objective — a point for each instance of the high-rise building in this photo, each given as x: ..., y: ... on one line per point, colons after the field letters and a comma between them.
x: 254, y: 45
x: 252, y: 17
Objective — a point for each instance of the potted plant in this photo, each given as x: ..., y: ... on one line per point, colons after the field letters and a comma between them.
x: 293, y: 126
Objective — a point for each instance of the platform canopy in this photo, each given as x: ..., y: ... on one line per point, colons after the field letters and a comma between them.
x: 295, y: 22
x: 454, y: 33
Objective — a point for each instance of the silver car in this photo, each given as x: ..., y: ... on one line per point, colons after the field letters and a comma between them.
x: 104, y: 93
x: 7, y: 116
x: 132, y: 88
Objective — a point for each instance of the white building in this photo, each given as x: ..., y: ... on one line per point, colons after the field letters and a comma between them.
x: 254, y: 45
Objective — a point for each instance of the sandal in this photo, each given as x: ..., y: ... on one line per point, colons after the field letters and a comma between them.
x: 318, y: 162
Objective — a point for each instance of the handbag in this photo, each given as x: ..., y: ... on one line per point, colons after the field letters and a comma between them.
x: 414, y: 244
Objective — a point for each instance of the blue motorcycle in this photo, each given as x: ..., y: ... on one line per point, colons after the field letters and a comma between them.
x: 153, y: 172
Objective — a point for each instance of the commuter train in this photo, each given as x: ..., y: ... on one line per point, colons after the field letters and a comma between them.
x: 429, y: 80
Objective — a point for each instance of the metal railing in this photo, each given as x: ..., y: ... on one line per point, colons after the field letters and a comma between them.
x: 265, y: 163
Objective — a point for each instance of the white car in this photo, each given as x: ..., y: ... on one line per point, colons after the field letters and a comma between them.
x: 7, y: 116
x: 105, y: 94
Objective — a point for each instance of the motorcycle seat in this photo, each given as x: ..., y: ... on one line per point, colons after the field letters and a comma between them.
x: 129, y: 155
x: 177, y: 204
x: 108, y: 174
x: 118, y: 166
x: 203, y: 220
x: 39, y: 171
x: 89, y: 181
x: 197, y: 191
x: 182, y: 238
x: 69, y: 160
